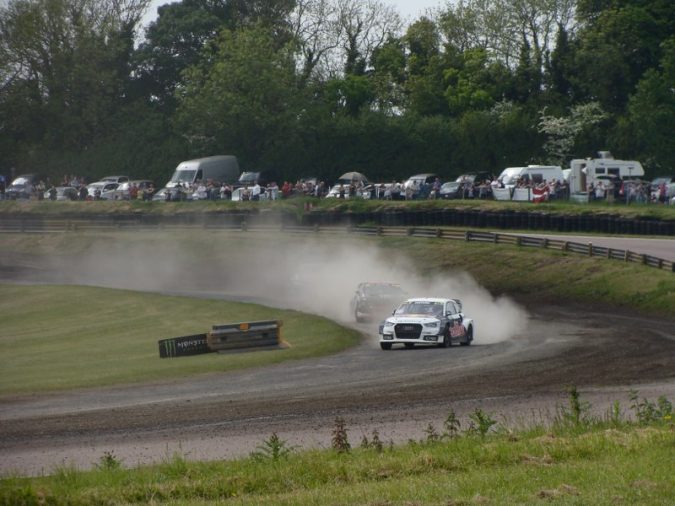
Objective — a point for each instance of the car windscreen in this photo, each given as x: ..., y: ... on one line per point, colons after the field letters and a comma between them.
x: 425, y: 308
x: 183, y: 176
x: 383, y: 291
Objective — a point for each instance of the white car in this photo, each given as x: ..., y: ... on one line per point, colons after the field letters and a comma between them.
x: 427, y: 321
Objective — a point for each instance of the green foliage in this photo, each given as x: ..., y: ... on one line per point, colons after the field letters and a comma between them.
x: 480, y: 423
x: 451, y: 425
x: 109, y: 462
x: 274, y: 448
x: 648, y: 412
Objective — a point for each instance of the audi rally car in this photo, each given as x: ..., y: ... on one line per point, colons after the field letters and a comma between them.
x: 427, y: 321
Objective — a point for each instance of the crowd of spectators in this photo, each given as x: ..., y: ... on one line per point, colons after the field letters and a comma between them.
x: 468, y: 188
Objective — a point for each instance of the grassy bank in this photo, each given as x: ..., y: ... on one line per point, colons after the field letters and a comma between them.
x: 576, y: 460
x: 64, y: 337
x: 300, y: 206
x: 546, y: 276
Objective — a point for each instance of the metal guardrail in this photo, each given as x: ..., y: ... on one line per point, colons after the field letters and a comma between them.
x: 587, y: 249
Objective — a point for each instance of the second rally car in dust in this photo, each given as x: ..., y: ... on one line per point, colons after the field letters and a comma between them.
x: 427, y: 321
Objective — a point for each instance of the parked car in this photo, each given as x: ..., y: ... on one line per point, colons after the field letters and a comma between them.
x: 475, y: 177
x: 62, y: 193
x: 360, y: 191
x: 427, y: 321
x: 451, y: 190
x: 115, y: 179
x: 656, y: 185
x: 374, y: 300
x: 122, y: 191
x: 22, y: 187
x: 420, y: 184
x: 100, y: 187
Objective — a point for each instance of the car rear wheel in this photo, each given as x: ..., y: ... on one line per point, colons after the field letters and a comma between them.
x: 385, y: 346
x: 469, y: 337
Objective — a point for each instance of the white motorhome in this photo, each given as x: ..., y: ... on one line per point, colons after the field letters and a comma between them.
x: 221, y: 169
x: 583, y: 172
x: 533, y: 173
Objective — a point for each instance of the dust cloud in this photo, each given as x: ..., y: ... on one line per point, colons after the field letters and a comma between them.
x: 316, y: 275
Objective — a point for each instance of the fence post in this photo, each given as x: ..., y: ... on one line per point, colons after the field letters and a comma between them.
x: 626, y: 256
x: 544, y: 243
x: 566, y: 246
x: 467, y: 235
x: 410, y: 231
x: 590, y: 249
x: 519, y: 241
x: 439, y: 232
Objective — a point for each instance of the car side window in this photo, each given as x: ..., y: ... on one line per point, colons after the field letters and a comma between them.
x: 452, y: 309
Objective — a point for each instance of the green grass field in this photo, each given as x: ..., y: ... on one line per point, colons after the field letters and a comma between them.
x: 64, y: 337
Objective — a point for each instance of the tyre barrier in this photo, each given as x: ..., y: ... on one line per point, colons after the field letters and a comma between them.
x: 224, y: 338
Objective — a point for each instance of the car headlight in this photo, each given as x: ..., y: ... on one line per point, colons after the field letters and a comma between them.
x: 388, y: 323
x: 432, y: 325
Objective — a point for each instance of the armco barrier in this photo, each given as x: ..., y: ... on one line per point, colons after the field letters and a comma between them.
x: 224, y: 338
x: 237, y: 336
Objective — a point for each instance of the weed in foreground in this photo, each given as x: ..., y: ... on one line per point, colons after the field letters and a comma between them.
x: 647, y: 411
x: 452, y: 425
x: 480, y: 423
x: 340, y: 441
x: 109, y: 462
x: 272, y: 449
x: 375, y: 443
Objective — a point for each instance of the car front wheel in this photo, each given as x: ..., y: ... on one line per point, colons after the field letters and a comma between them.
x: 385, y: 346
x: 446, y: 339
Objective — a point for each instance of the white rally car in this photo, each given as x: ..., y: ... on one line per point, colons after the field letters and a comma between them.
x: 427, y: 321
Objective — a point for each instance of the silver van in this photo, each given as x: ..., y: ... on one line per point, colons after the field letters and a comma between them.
x: 221, y: 169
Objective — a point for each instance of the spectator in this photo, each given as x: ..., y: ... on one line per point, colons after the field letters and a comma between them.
x: 255, y: 192
x: 225, y: 191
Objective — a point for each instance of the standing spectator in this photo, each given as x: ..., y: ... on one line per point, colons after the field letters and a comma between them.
x: 83, y: 193
x: 662, y: 192
x: 255, y: 191
x: 3, y: 187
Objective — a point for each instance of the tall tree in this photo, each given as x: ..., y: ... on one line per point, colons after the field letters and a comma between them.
x: 652, y: 109
x: 66, y: 64
x: 243, y: 99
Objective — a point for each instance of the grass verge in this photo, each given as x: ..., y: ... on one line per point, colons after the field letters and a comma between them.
x: 577, y: 460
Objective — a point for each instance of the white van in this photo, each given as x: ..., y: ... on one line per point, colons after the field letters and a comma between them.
x: 535, y: 173
x: 221, y: 169
x: 586, y: 171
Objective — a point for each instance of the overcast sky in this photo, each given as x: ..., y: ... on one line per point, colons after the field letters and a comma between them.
x: 408, y: 9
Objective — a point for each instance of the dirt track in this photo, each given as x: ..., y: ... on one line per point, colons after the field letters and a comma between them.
x: 398, y: 393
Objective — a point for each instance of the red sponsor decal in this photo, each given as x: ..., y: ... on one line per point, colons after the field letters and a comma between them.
x: 457, y: 330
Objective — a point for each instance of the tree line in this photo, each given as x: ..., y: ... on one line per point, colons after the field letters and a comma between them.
x: 320, y: 87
